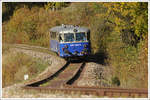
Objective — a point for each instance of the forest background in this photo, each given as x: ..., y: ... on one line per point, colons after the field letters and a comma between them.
x: 119, y: 32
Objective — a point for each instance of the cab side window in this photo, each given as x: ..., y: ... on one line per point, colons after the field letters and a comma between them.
x: 53, y: 35
x: 88, y: 35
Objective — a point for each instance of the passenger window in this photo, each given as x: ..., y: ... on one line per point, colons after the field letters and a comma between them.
x: 53, y: 35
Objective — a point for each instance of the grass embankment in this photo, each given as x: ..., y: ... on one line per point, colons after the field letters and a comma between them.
x: 16, y: 65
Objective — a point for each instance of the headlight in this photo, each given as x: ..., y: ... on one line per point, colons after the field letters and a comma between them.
x: 66, y: 46
x: 76, y: 52
x: 85, y: 45
x: 82, y: 52
x: 66, y: 51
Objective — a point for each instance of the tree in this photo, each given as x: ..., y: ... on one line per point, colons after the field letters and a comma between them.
x: 55, y: 5
x: 131, y: 20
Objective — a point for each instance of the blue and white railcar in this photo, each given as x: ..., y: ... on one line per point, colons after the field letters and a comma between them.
x: 70, y: 41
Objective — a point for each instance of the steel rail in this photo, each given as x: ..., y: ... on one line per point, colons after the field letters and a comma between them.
x: 97, y: 92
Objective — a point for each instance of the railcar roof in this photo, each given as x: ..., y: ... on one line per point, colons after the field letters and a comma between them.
x: 68, y: 28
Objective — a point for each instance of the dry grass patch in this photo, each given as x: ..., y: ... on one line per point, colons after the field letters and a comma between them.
x: 16, y: 65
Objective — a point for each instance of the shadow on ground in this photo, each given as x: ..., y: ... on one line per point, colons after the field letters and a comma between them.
x: 98, y: 58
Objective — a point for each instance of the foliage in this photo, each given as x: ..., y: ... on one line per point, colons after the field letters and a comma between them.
x: 115, y: 81
x: 131, y: 19
x: 5, y: 48
x: 10, y: 7
x: 55, y: 5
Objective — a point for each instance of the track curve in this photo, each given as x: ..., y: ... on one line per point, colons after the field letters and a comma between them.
x: 67, y: 74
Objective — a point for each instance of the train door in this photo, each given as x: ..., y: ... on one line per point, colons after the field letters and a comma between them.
x: 54, y: 41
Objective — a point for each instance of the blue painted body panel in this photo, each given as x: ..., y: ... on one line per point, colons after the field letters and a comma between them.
x: 72, y: 47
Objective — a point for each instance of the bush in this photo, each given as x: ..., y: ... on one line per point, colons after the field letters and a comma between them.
x: 115, y: 81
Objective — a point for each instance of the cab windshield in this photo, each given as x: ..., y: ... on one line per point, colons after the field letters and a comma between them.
x: 68, y: 37
x: 80, y: 37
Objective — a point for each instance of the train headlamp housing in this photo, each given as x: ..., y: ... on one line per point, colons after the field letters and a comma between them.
x: 85, y: 45
x: 76, y: 52
x: 66, y: 51
x: 82, y: 52
x: 65, y: 47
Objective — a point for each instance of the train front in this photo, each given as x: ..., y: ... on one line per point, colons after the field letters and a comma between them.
x: 76, y: 44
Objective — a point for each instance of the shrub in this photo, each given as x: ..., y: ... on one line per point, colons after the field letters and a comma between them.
x: 115, y: 81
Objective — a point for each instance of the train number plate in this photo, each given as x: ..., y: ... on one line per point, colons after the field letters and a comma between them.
x: 75, y: 45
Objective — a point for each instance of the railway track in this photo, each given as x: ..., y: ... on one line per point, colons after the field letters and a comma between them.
x: 65, y: 79
x: 67, y: 74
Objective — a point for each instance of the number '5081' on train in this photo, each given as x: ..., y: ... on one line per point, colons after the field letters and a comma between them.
x: 70, y: 41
